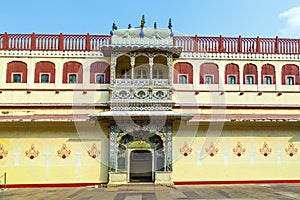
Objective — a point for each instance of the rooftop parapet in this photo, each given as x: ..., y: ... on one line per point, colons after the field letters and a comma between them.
x: 188, y: 44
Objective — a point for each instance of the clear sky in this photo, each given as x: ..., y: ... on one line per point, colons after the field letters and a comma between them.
x: 248, y: 18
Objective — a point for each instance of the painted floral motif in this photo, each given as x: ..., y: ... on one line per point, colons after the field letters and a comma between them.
x: 238, y: 149
x: 291, y: 150
x: 186, y: 149
x: 64, y: 152
x: 212, y: 150
x: 3, y: 151
x: 32, y: 152
x: 265, y: 150
x: 94, y: 152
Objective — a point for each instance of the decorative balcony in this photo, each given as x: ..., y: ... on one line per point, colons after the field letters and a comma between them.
x: 141, y: 82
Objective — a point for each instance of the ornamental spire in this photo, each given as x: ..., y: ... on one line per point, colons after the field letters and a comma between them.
x: 143, y: 21
x: 114, y: 27
x: 170, y: 27
x: 170, y: 24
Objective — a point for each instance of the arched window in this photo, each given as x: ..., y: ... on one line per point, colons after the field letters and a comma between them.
x: 183, y: 73
x: 100, y: 73
x: 72, y: 72
x: 45, y: 78
x: 232, y: 74
x: 44, y: 72
x: 141, y: 67
x: 141, y: 73
x: 250, y: 74
x: 183, y: 78
x: 268, y: 74
x: 16, y: 72
x: 123, y: 67
x: 290, y: 74
x: 160, y: 67
x: 157, y: 74
x: 209, y: 73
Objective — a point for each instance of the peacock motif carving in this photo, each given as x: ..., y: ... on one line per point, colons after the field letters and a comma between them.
x: 64, y: 152
x: 265, y: 150
x: 3, y: 151
x: 93, y: 151
x: 239, y: 149
x: 186, y: 149
x: 291, y: 150
x: 32, y: 152
x: 212, y: 150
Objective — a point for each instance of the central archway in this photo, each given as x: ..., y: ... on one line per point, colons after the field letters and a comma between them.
x: 141, y: 166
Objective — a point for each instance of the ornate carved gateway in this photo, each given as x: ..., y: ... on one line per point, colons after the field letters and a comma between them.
x: 140, y: 115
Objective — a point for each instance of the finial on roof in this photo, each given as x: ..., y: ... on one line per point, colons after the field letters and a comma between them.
x: 129, y: 26
x: 155, y: 25
x: 114, y: 27
x: 170, y: 24
x: 170, y: 27
x: 142, y: 34
x: 143, y: 21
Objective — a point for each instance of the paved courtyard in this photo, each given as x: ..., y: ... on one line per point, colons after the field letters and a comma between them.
x: 149, y: 192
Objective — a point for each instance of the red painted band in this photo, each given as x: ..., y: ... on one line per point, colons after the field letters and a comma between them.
x: 102, y: 184
x: 53, y: 185
x: 235, y: 182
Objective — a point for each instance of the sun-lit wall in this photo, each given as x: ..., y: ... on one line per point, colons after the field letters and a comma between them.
x: 240, y: 152
x: 53, y: 152
x: 20, y: 141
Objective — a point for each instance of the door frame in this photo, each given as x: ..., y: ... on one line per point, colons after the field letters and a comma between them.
x: 129, y: 162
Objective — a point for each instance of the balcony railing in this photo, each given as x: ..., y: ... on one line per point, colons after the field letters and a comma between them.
x: 53, y: 42
x: 87, y: 42
x: 142, y: 82
x: 238, y: 45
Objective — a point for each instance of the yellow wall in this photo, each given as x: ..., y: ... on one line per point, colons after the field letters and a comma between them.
x: 48, y: 167
x: 79, y: 167
x: 225, y: 165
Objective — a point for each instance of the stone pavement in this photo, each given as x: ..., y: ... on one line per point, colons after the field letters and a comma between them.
x: 153, y: 192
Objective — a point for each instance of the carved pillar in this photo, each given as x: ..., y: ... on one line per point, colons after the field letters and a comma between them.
x: 151, y: 58
x: 170, y: 68
x: 132, y: 63
x: 113, y: 147
x: 113, y: 69
x: 168, y: 146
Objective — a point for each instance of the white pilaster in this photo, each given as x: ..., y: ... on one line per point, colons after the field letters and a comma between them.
x: 278, y: 78
x: 221, y: 76
x: 30, y: 73
x: 259, y: 68
x: 86, y: 74
x: 241, y: 70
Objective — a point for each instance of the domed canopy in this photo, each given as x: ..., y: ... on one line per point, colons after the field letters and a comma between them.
x: 141, y: 39
x: 149, y: 33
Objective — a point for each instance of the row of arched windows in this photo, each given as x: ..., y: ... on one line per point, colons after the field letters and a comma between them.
x: 209, y: 74
x: 182, y: 73
x: 45, y: 72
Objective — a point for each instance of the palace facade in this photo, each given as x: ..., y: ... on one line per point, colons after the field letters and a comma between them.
x: 145, y: 105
